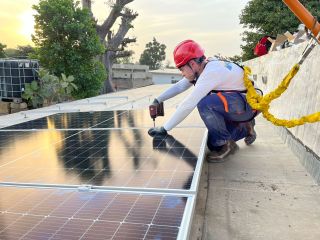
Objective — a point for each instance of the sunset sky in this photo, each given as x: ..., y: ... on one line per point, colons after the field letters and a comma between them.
x: 213, y: 23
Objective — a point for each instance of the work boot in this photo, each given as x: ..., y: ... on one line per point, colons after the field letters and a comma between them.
x: 252, y: 135
x: 220, y: 155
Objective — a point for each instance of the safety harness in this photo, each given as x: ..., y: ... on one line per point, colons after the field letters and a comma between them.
x: 238, y: 117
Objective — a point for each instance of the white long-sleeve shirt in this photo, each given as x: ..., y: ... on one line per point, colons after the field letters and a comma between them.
x: 217, y: 75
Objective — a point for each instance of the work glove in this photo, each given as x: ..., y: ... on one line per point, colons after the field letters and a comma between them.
x: 157, y: 132
x: 158, y: 144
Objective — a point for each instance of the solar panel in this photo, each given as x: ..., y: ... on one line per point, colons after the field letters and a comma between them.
x: 141, y: 118
x: 67, y: 120
x: 106, y: 119
x: 28, y: 213
x: 114, y: 157
x: 107, y: 151
x: 17, y: 144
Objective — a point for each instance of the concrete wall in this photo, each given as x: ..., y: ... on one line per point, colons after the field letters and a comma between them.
x: 166, y: 76
x: 128, y: 76
x: 303, y: 95
x: 162, y: 78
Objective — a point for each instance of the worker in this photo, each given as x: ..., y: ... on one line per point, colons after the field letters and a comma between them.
x: 219, y: 95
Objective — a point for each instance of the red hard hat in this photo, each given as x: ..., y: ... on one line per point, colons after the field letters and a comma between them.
x: 185, y: 51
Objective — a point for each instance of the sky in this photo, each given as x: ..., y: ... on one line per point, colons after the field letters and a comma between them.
x: 212, y: 23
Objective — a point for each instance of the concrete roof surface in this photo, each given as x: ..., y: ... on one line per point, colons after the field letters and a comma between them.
x: 166, y: 71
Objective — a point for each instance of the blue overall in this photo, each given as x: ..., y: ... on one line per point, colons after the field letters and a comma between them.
x: 222, y: 125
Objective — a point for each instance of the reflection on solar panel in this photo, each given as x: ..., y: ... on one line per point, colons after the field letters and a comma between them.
x: 65, y: 214
x: 17, y: 144
x: 107, y: 151
x: 67, y: 120
x: 127, y: 157
x: 107, y: 119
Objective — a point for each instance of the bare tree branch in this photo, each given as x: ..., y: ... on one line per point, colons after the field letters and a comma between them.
x: 114, y: 43
x: 114, y: 14
x: 123, y: 54
x: 121, y: 33
x: 87, y: 4
x: 126, y: 41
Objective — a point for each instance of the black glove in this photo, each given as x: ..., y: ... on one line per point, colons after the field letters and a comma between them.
x: 157, y: 132
x: 159, y: 144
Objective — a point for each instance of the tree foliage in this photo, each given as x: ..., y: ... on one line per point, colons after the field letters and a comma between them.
x: 66, y: 42
x: 270, y: 17
x: 124, y: 60
x: 2, y: 52
x: 10, y: 52
x: 153, y: 55
x: 26, y: 51
x: 48, y: 89
x: 235, y: 58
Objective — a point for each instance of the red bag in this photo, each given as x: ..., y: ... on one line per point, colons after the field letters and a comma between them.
x: 262, y: 46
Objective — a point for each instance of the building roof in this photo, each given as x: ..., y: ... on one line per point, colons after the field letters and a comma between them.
x: 166, y: 71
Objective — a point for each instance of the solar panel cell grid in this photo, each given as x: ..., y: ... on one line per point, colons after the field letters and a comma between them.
x: 45, y: 229
x: 20, y: 227
x: 18, y: 144
x: 67, y: 120
x: 104, y: 119
x: 108, y: 158
x: 123, y: 156
x: 162, y: 232
x: 65, y: 214
x: 101, y: 230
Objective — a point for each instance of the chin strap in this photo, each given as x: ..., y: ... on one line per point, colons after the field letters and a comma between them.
x: 195, y: 74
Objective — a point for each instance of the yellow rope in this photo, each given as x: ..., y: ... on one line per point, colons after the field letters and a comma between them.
x: 263, y: 103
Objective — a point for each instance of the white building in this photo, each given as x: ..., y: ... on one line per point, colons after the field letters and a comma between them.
x: 165, y: 76
x: 128, y: 76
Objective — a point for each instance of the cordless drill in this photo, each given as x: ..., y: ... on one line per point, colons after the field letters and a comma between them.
x: 155, y: 111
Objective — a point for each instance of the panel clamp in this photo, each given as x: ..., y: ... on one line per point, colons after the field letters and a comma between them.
x: 84, y: 188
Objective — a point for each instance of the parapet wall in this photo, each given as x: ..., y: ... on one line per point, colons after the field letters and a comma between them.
x: 301, y: 98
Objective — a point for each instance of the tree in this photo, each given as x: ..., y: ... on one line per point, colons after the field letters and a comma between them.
x: 66, y: 42
x: 115, y: 42
x: 124, y: 60
x: 11, y: 52
x: 235, y: 58
x: 2, y: 52
x: 25, y: 51
x: 153, y: 55
x: 168, y: 65
x: 270, y: 17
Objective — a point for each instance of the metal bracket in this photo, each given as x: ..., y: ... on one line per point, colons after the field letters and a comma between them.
x: 309, y: 48
x: 84, y: 188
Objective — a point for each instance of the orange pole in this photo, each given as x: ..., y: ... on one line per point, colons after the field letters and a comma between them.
x: 304, y: 16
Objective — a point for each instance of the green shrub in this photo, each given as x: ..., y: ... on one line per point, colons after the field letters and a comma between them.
x: 49, y: 89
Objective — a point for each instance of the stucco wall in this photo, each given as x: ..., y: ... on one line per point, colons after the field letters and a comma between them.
x: 127, y: 76
x: 303, y: 95
x: 158, y: 78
